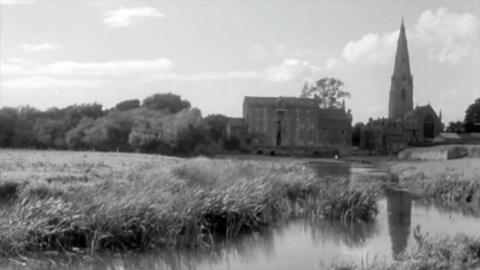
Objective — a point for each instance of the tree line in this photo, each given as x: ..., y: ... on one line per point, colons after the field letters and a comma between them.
x: 161, y: 123
x: 471, y: 122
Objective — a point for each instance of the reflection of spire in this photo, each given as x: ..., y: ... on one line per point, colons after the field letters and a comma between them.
x: 399, y: 209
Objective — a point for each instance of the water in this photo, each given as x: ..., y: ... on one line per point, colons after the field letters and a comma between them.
x: 302, y: 244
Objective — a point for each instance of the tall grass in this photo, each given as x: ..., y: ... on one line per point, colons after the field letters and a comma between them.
x: 453, y: 184
x: 431, y: 252
x: 185, y: 205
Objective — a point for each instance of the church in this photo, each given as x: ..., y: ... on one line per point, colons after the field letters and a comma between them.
x: 405, y: 124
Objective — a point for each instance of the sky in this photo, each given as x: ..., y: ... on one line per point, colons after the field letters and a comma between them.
x: 213, y: 53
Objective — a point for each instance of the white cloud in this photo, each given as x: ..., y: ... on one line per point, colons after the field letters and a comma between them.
x: 15, y: 2
x: 258, y: 52
x: 445, y: 37
x: 371, y: 49
x: 332, y: 63
x: 123, y: 17
x: 40, y: 47
x: 208, y: 75
x: 70, y: 68
x: 448, y: 37
x: 291, y: 69
x: 38, y: 82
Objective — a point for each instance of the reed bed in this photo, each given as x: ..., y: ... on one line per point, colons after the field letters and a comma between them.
x: 452, y: 184
x: 431, y: 252
x: 184, y: 203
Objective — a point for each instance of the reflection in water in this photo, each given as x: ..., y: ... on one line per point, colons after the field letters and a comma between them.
x: 331, y: 168
x: 351, y: 235
x: 399, y: 211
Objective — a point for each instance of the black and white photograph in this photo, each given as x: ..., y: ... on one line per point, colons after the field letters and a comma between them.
x: 239, y: 134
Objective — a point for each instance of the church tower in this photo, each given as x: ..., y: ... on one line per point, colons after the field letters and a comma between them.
x: 401, y: 89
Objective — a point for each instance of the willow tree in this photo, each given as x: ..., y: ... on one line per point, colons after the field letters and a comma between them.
x: 327, y: 91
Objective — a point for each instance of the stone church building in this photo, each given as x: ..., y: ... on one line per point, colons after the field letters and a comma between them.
x: 405, y: 124
x: 274, y: 125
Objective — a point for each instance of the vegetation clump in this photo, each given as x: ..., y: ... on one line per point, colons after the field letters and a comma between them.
x: 183, y: 203
x: 431, y: 252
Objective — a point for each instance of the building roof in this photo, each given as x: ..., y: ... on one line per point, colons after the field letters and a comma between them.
x: 332, y: 114
x: 236, y: 122
x: 279, y: 101
x: 423, y: 109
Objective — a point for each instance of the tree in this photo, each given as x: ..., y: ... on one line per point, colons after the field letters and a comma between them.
x: 8, y: 117
x: 472, y: 117
x: 176, y: 133
x: 327, y: 91
x: 49, y: 132
x: 457, y: 127
x: 216, y: 125
x: 356, y: 133
x: 127, y: 105
x: 23, y: 133
x: 110, y: 132
x: 171, y: 102
x: 74, y: 137
x: 74, y: 113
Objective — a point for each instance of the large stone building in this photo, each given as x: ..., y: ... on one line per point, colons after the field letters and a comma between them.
x: 405, y: 124
x: 276, y: 124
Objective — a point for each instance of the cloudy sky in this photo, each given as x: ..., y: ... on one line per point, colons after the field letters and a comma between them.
x: 213, y: 53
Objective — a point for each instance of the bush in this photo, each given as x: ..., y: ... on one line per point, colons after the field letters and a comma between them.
x: 8, y: 190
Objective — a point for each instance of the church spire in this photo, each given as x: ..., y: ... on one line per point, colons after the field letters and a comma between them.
x: 402, y: 61
x: 401, y: 89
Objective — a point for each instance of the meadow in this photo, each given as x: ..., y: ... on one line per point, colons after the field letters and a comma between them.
x: 91, y: 201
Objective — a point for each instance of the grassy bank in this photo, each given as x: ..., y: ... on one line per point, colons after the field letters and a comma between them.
x: 98, y: 201
x: 453, y: 183
x: 431, y: 252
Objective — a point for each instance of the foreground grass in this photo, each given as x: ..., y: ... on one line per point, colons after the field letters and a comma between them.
x: 452, y: 183
x: 110, y: 201
x: 431, y: 252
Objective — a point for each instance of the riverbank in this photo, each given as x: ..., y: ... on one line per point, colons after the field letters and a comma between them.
x: 431, y: 252
x: 451, y: 183
x: 67, y: 201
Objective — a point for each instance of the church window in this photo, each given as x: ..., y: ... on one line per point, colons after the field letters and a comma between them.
x: 404, y: 78
x: 404, y: 94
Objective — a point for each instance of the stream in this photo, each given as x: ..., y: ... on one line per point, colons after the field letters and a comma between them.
x: 299, y: 243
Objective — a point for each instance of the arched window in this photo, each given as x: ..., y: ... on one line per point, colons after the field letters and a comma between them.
x: 404, y: 94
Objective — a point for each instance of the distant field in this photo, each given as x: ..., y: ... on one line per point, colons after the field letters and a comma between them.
x: 23, y: 165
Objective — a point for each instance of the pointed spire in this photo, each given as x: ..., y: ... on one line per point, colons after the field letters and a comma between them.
x: 402, y: 61
x: 305, y: 90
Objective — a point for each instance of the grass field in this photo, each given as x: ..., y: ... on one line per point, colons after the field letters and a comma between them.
x: 54, y: 200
